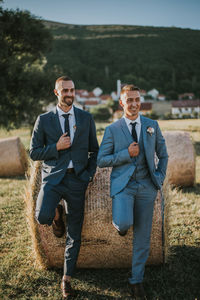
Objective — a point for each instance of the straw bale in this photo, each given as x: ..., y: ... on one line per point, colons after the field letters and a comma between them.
x: 101, y: 247
x: 181, y: 165
x: 13, y: 157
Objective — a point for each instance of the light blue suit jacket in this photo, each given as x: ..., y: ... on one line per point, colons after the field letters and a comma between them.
x: 114, y: 153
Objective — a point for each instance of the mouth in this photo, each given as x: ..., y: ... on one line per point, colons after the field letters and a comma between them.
x: 68, y: 98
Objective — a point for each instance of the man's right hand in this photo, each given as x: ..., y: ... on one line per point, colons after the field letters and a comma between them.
x: 133, y: 149
x: 64, y: 142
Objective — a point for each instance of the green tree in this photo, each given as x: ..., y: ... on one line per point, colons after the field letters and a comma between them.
x: 23, y: 82
x: 100, y: 113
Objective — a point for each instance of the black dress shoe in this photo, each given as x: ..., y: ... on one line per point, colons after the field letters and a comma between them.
x: 122, y: 233
x: 138, y: 291
x: 67, y: 291
x: 58, y: 225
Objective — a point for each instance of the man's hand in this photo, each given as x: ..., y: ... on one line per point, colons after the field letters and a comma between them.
x: 64, y: 142
x: 133, y: 149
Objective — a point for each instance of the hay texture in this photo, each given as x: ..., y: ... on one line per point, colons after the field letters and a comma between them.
x: 181, y: 165
x: 101, y: 247
x: 13, y: 157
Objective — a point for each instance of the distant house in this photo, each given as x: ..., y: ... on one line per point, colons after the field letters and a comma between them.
x: 97, y: 91
x: 105, y: 98
x: 146, y: 108
x: 83, y: 96
x: 153, y: 93
x: 186, y: 96
x: 82, y: 92
x: 90, y: 103
x: 161, y: 97
x: 185, y: 107
x: 114, y: 96
x: 143, y: 93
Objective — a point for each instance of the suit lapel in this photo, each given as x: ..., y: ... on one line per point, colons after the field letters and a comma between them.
x: 78, y: 123
x: 144, y: 126
x: 125, y: 130
x: 56, y: 122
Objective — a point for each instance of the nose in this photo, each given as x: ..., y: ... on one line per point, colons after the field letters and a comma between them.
x: 68, y: 93
x: 134, y: 104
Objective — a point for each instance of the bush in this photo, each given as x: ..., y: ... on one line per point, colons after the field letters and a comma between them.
x: 100, y: 113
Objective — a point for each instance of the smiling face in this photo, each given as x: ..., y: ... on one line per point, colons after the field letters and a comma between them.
x: 130, y: 101
x: 65, y: 91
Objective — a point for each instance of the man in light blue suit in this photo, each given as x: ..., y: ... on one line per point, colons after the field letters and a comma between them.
x: 129, y: 146
x: 65, y: 140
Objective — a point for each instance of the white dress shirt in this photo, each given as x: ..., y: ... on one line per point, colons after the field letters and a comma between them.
x: 137, y: 127
x: 72, y: 125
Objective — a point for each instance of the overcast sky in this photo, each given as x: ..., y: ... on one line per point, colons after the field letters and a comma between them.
x: 179, y: 13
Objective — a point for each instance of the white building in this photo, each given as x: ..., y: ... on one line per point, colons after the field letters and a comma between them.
x: 97, y: 91
x: 153, y: 93
x: 186, y: 107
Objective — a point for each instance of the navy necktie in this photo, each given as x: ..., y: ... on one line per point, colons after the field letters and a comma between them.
x: 134, y: 133
x: 67, y: 130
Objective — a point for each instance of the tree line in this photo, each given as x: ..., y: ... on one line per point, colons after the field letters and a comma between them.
x: 34, y: 53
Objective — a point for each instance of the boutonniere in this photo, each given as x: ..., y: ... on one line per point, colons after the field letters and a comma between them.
x: 150, y: 130
x: 74, y: 127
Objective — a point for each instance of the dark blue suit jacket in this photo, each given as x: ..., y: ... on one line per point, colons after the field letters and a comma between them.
x: 83, y: 151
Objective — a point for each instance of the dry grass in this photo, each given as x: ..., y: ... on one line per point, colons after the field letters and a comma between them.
x: 24, y: 134
x: 177, y: 279
x: 187, y: 125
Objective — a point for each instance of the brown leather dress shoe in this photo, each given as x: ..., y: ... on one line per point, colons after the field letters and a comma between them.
x: 58, y: 225
x: 138, y: 291
x: 67, y: 291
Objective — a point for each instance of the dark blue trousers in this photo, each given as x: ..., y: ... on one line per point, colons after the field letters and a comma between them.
x: 72, y: 189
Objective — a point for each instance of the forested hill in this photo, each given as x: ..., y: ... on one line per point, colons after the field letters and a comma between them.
x: 167, y: 59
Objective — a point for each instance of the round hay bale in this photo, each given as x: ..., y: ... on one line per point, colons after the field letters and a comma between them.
x: 181, y: 165
x: 13, y: 157
x: 101, y: 247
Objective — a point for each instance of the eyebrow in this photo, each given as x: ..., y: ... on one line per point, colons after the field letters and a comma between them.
x: 133, y: 98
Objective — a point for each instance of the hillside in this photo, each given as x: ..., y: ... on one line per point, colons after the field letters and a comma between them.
x: 167, y: 59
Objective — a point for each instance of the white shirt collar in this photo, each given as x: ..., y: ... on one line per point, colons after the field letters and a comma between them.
x: 128, y: 121
x: 61, y: 112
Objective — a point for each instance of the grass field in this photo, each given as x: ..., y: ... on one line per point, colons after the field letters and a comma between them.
x: 177, y: 279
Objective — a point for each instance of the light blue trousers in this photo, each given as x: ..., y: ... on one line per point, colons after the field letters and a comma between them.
x: 134, y: 206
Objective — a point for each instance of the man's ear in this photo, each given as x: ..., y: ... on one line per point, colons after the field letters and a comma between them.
x: 121, y: 103
x: 55, y: 92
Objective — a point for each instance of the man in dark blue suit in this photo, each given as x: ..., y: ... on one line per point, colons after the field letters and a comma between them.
x: 65, y: 140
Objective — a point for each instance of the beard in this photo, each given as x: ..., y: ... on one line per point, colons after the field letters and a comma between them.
x: 67, y: 101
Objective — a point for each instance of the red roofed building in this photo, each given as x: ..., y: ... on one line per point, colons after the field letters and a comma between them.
x: 185, y: 96
x: 105, y: 98
x: 143, y: 92
x: 185, y: 107
x: 90, y: 103
x: 146, y: 108
x: 161, y: 97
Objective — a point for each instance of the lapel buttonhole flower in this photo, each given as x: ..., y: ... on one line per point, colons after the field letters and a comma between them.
x: 150, y: 130
x: 74, y: 127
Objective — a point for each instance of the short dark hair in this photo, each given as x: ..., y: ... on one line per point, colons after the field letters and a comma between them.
x: 63, y: 78
x: 129, y: 87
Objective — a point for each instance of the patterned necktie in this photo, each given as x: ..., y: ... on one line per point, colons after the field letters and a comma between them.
x: 67, y: 130
x: 134, y: 133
